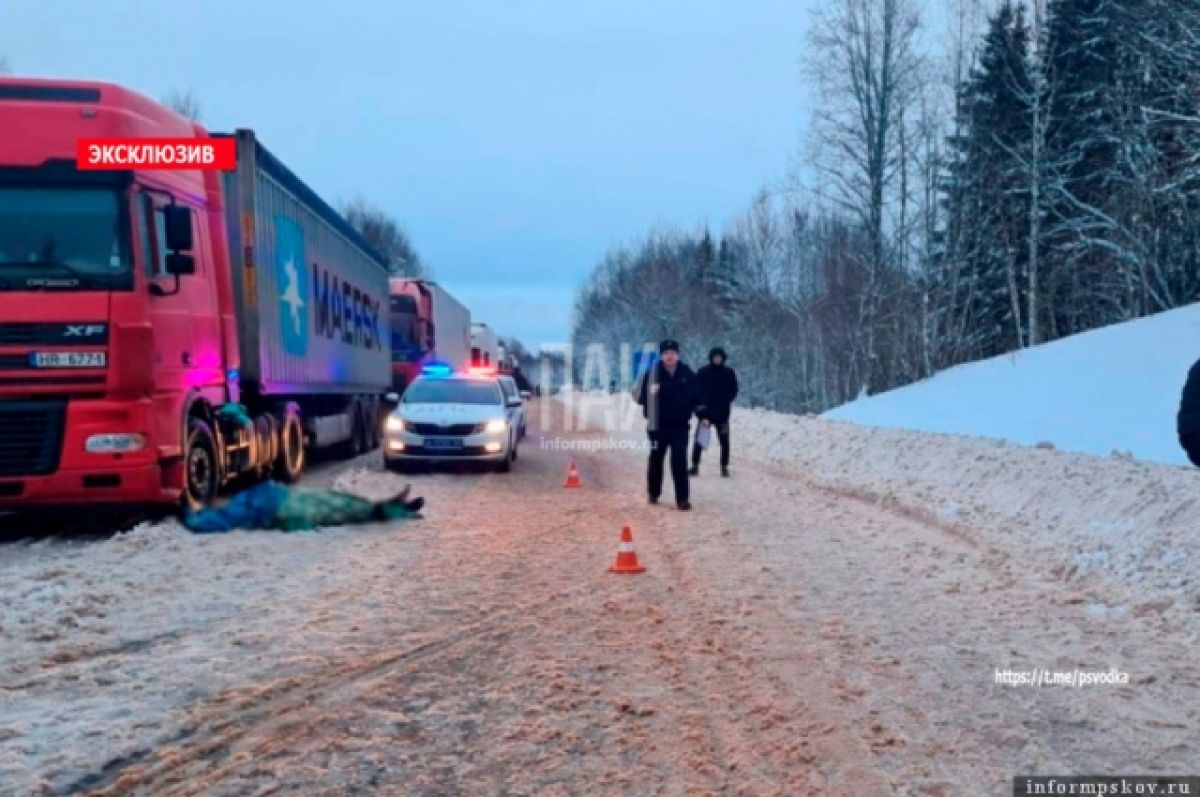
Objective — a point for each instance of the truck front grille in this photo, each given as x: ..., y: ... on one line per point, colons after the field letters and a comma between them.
x: 21, y: 334
x: 30, y: 437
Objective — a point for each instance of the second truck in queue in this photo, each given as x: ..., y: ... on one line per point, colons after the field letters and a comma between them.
x: 428, y: 325
x: 165, y: 331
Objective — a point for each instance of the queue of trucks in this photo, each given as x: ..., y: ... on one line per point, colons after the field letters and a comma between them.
x: 165, y: 332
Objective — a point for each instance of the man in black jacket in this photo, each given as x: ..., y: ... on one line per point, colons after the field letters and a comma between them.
x: 718, y: 389
x: 669, y: 396
x: 1188, y: 421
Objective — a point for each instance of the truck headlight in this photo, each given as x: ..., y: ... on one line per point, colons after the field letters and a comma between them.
x: 394, y: 424
x: 114, y: 443
x: 498, y: 425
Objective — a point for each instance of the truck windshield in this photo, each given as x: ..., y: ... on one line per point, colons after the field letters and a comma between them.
x: 64, y: 238
x: 406, y: 344
x: 452, y: 391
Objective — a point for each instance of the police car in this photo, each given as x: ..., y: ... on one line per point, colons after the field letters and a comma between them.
x: 446, y: 415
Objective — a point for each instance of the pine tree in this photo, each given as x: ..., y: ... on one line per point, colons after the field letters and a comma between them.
x: 984, y: 271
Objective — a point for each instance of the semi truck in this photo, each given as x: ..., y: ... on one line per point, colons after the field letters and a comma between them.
x: 163, y: 332
x: 428, y: 325
x: 485, y: 346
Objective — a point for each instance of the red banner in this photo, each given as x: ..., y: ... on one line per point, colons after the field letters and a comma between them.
x: 93, y: 154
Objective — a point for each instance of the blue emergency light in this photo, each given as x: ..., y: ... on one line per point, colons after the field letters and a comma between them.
x: 437, y: 369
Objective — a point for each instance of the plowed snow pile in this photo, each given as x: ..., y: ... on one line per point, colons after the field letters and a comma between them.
x: 1111, y: 389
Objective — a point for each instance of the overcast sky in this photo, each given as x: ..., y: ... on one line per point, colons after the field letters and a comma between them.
x: 517, y: 140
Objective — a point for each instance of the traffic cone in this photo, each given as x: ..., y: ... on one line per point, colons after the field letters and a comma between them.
x: 573, y: 479
x: 627, y: 561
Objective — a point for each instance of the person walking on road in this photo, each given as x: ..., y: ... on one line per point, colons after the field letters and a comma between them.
x: 718, y: 388
x: 1188, y: 420
x: 669, y: 396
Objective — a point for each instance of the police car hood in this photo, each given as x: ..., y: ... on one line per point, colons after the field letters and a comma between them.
x: 451, y: 413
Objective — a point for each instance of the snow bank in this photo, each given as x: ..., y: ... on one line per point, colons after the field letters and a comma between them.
x: 1071, y: 516
x: 1132, y: 528
x: 1115, y: 388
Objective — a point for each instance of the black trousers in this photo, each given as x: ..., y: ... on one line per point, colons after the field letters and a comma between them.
x: 722, y: 430
x: 675, y: 441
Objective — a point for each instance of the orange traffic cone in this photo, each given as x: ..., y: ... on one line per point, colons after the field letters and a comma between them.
x: 573, y: 479
x: 627, y: 561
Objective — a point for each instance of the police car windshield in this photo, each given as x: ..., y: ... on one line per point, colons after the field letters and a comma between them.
x: 452, y: 391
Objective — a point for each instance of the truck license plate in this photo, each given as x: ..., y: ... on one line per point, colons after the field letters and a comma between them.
x: 68, y: 359
x: 442, y: 442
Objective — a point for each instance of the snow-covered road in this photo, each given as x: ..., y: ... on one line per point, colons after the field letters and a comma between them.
x: 791, y: 636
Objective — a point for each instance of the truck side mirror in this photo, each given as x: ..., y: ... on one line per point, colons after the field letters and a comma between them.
x: 180, y: 265
x: 178, y: 228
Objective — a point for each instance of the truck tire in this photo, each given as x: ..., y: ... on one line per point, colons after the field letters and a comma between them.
x: 374, y: 425
x: 201, y: 473
x: 360, y: 432
x: 290, y: 463
x: 354, y: 445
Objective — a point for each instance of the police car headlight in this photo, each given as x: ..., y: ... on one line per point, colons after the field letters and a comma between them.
x: 394, y: 424
x: 498, y: 425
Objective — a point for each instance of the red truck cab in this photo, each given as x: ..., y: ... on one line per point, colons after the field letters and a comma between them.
x: 411, y: 319
x: 101, y: 350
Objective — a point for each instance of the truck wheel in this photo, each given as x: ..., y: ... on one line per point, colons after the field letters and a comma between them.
x: 374, y: 425
x: 200, y: 472
x: 357, y: 442
x: 362, y: 432
x: 290, y: 463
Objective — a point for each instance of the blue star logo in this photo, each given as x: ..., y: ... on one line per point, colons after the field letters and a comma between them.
x: 292, y: 283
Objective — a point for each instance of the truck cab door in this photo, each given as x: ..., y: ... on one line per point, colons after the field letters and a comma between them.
x: 187, y: 333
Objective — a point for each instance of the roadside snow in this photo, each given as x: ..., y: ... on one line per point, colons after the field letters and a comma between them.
x: 1070, y: 516
x: 1111, y: 389
x: 1129, y: 529
x: 102, y: 644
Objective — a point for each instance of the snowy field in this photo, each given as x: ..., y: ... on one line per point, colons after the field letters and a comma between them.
x: 1111, y: 389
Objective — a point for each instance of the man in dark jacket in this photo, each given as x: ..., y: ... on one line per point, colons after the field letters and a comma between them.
x: 1188, y: 421
x: 718, y: 389
x: 669, y: 396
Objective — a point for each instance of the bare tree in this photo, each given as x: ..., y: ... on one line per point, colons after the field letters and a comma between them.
x: 867, y: 70
x: 385, y: 234
x: 184, y: 102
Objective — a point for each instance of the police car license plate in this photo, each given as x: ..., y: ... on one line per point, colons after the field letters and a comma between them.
x: 443, y: 442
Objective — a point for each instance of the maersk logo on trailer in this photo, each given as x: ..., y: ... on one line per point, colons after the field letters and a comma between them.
x: 293, y: 286
x: 345, y: 312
